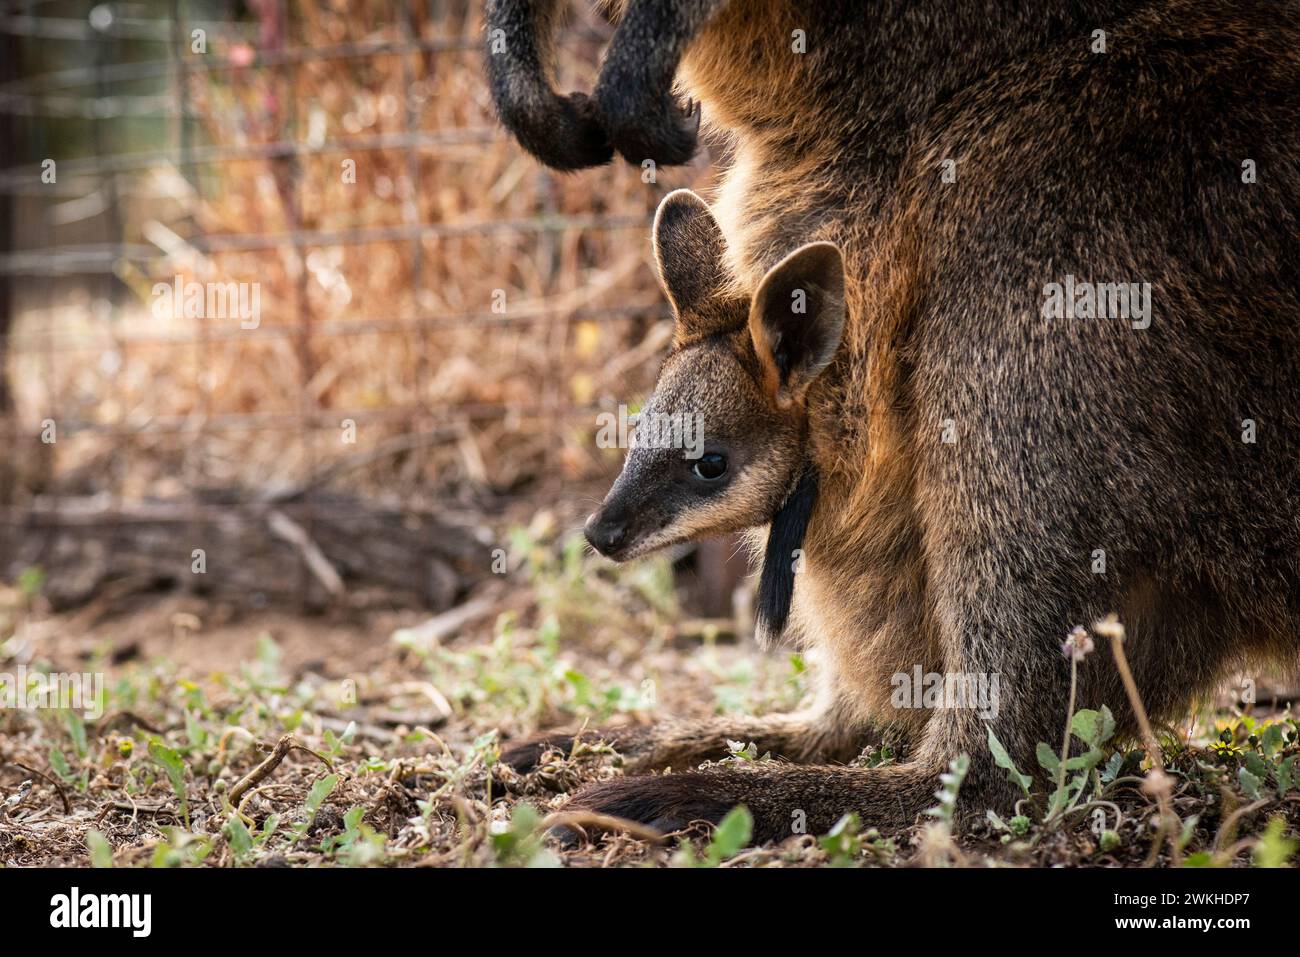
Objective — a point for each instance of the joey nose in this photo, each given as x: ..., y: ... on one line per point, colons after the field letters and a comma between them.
x: 606, y: 534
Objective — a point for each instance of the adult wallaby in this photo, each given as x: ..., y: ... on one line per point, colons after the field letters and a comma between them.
x: 1047, y: 367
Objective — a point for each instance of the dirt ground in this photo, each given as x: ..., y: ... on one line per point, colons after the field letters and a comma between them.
x: 270, y: 739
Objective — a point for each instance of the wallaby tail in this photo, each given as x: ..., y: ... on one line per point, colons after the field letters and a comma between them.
x: 561, y: 131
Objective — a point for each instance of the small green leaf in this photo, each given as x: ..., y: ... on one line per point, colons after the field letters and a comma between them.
x: 195, y: 733
x: 77, y: 731
x: 1003, y: 760
x: 1093, y: 728
x: 732, y: 833
x: 174, y: 765
x: 520, y: 843
x: 1274, y: 848
x: 352, y: 819
x: 1086, y: 761
x: 1048, y: 758
x: 1107, y: 725
x: 1086, y: 726
x: 1271, y: 740
x: 268, y: 828
x: 741, y: 751
x: 30, y: 580
x: 1111, y: 771
x: 241, y: 842
x: 1285, y: 776
x: 319, y: 792
x: 1249, y: 783
x: 171, y: 762
x: 842, y: 843
x: 1256, y: 766
x: 581, y: 685
x: 950, y: 785
x: 101, y: 852
x: 485, y: 745
x: 60, y: 764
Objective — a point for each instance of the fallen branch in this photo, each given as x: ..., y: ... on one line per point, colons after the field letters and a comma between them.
x: 67, y: 805
x: 367, y: 553
x: 448, y: 623
x: 286, y: 529
x: 262, y: 771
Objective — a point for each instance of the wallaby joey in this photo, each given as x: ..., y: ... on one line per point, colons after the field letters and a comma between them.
x: 1003, y: 337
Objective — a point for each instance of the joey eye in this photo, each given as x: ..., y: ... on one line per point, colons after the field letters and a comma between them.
x: 711, y: 466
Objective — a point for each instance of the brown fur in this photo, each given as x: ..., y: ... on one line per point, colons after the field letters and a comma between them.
x: 1071, y: 434
x: 804, y: 737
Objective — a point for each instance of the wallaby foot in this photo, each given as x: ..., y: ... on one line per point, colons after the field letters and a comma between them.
x: 801, y: 737
x: 525, y: 756
x: 563, y: 131
x: 634, y: 93
x: 645, y: 123
x: 783, y: 799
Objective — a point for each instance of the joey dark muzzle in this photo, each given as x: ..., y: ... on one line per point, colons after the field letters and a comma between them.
x: 635, y: 510
x: 620, y: 526
x: 607, y: 532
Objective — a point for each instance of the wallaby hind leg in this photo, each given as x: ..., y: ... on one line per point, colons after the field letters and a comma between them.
x: 801, y: 737
x: 989, y: 627
x: 782, y: 799
x: 785, y: 799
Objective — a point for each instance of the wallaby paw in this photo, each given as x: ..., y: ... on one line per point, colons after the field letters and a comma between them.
x: 526, y: 756
x: 659, y: 130
x: 666, y: 803
x: 564, y: 132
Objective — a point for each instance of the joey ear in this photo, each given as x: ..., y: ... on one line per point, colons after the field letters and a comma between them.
x: 797, y: 319
x: 689, y: 250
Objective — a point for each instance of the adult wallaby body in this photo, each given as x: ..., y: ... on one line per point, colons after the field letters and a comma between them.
x: 1047, y: 368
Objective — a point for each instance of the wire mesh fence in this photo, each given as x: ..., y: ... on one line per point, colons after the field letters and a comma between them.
x: 279, y: 255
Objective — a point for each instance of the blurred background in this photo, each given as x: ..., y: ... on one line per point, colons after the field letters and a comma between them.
x: 439, y: 318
